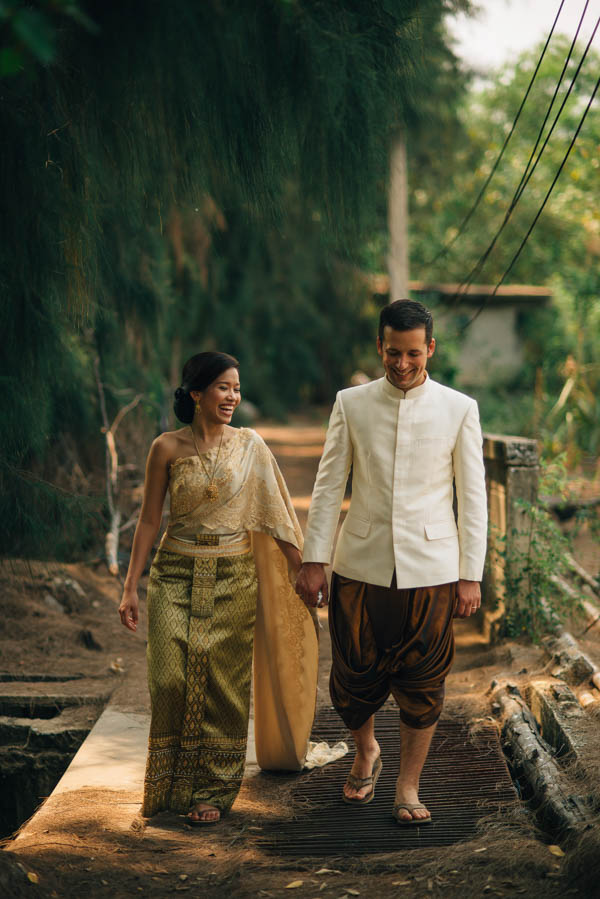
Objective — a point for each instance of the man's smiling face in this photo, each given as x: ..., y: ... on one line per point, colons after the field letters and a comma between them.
x: 404, y: 355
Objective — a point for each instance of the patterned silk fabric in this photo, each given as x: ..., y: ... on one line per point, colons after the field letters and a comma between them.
x: 252, y: 493
x: 207, y: 605
x: 385, y: 640
x: 201, y: 620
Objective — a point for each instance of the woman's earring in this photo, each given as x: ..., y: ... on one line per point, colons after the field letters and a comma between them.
x: 198, y: 407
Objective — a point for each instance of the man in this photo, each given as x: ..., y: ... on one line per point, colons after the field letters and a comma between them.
x: 402, y: 568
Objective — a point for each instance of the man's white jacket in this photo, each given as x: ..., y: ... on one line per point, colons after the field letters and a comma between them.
x: 406, y: 451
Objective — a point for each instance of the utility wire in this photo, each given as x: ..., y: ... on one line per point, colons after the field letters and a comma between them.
x: 528, y: 173
x: 540, y: 210
x: 558, y: 84
x: 444, y: 250
x: 464, y: 285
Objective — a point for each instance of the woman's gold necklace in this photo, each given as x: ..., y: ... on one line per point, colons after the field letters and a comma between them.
x: 212, y: 491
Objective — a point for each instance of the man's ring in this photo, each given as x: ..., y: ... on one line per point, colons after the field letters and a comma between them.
x: 319, y: 599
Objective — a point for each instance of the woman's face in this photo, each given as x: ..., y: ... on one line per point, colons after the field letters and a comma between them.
x: 219, y: 400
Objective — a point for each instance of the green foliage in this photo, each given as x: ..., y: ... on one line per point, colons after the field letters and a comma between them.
x: 568, y: 231
x: 30, y: 31
x: 555, y: 396
x: 184, y: 175
x: 534, y: 604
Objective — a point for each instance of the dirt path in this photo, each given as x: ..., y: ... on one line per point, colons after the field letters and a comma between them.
x: 95, y: 842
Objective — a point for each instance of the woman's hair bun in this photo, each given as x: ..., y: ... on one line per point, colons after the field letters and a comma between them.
x: 184, y: 406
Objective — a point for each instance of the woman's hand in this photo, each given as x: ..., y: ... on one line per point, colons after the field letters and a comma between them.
x: 291, y: 553
x: 128, y: 610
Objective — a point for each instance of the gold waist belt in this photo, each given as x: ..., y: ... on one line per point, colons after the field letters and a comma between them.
x: 208, y: 546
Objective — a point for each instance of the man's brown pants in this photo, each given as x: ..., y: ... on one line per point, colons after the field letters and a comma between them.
x: 386, y: 640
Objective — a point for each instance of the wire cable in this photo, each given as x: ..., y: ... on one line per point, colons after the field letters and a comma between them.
x: 446, y: 247
x: 539, y: 212
x: 558, y: 84
x: 464, y: 285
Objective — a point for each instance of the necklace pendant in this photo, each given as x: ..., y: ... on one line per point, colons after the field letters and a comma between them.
x: 212, y: 493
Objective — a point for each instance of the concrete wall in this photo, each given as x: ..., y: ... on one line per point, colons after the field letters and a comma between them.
x: 512, y: 473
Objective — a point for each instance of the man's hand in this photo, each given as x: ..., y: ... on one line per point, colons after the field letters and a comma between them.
x: 469, y: 598
x: 310, y: 582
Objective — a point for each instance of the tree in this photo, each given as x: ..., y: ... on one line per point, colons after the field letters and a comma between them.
x: 141, y: 115
x: 563, y: 250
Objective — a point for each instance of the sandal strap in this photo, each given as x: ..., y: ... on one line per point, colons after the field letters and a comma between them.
x: 410, y: 806
x: 358, y: 782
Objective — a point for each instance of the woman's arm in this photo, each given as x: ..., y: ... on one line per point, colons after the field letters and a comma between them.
x: 292, y: 554
x: 155, y: 489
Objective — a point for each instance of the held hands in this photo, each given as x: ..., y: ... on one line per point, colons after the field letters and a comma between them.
x: 128, y: 610
x: 469, y: 598
x: 311, y: 584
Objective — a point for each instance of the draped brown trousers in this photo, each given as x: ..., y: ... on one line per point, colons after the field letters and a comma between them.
x: 386, y: 640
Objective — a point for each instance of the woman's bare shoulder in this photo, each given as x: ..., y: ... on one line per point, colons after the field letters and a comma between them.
x: 169, y: 445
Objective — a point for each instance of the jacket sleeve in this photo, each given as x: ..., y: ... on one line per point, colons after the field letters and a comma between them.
x: 469, y: 479
x: 329, y: 488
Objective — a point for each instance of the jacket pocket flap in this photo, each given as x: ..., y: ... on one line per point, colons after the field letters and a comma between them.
x: 438, y: 529
x: 358, y: 526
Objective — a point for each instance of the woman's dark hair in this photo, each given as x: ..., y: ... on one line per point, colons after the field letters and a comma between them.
x: 198, y: 373
x: 404, y: 315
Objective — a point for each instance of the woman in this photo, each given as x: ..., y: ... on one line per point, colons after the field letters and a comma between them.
x: 219, y: 578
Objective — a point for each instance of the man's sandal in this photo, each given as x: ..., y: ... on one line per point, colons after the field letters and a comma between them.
x: 358, y: 782
x: 409, y: 807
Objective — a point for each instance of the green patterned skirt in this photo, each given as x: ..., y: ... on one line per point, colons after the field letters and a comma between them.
x: 201, y: 615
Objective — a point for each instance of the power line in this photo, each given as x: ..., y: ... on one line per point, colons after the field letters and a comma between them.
x: 483, y: 189
x: 540, y: 210
x: 528, y: 174
x: 558, y: 84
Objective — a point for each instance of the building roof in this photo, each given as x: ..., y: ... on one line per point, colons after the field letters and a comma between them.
x: 475, y: 293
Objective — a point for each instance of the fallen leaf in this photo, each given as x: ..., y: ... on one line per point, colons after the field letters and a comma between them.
x: 294, y: 884
x: 33, y: 877
x: 483, y: 849
x: 352, y: 892
x: 400, y: 883
x: 556, y: 850
x: 183, y: 877
x: 327, y: 871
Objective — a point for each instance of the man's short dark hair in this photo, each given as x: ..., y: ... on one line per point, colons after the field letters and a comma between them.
x: 404, y: 315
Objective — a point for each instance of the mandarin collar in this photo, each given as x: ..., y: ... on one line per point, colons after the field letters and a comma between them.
x: 395, y: 393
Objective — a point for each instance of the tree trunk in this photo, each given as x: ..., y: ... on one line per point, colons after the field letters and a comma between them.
x: 398, y: 220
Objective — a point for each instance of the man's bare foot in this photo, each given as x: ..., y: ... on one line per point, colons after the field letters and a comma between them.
x: 413, y: 811
x: 203, y: 813
x: 362, y: 767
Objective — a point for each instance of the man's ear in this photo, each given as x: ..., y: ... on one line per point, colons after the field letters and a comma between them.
x: 431, y: 348
x: 379, y: 346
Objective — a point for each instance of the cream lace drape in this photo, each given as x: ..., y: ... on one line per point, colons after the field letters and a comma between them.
x: 253, y: 497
